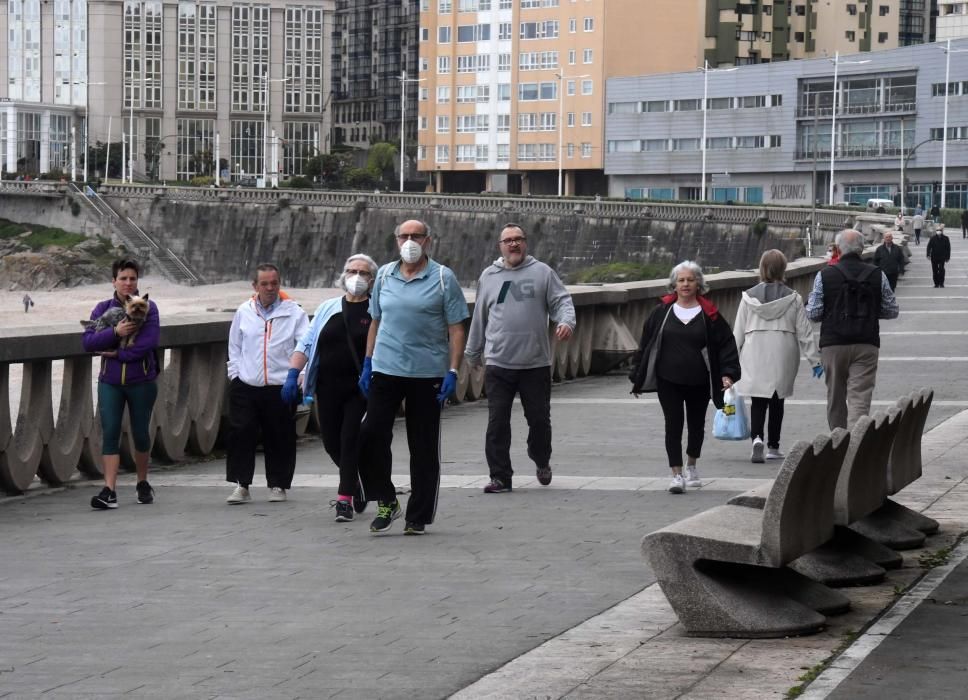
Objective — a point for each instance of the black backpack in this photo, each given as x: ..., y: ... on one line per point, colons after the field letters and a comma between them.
x: 855, y: 309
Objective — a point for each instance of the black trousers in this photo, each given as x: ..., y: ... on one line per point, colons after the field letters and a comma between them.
x: 423, y: 437
x: 672, y: 397
x: 917, y: 236
x: 891, y: 280
x: 341, y: 407
x: 758, y: 409
x: 534, y: 387
x: 254, y: 410
x: 937, y: 271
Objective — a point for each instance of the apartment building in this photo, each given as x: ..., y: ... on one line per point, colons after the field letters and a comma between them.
x: 197, y: 87
x: 374, y: 44
x: 952, y: 19
x: 769, y: 131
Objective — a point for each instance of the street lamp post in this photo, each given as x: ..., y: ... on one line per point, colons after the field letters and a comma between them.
x: 561, y: 124
x: 833, y: 119
x: 87, y: 119
x: 403, y: 111
x: 265, y: 121
x: 706, y: 70
x: 944, y: 132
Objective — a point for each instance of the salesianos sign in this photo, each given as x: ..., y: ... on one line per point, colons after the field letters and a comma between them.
x: 787, y: 192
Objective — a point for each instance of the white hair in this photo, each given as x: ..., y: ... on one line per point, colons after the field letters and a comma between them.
x: 692, y: 267
x: 370, y: 263
x: 850, y: 241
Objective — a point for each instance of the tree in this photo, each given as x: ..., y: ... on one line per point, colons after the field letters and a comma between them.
x: 361, y: 179
x: 383, y: 159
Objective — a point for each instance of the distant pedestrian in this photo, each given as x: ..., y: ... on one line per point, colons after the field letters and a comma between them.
x: 127, y: 377
x: 833, y: 254
x: 28, y: 302
x: 936, y: 213
x: 917, y: 223
x: 939, y: 252
x: 771, y: 332
x: 516, y: 297
x: 414, y: 348
x: 890, y: 258
x: 683, y: 334
x: 964, y: 223
x: 262, y: 337
x: 899, y: 222
x: 849, y: 299
x: 332, y: 353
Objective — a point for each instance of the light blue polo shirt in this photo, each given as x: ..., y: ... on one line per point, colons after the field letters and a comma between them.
x: 414, y: 314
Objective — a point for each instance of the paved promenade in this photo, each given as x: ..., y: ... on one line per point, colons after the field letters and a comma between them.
x: 540, y: 593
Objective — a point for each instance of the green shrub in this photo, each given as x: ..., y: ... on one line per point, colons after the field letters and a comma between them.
x: 620, y: 272
x: 299, y: 182
x: 201, y: 181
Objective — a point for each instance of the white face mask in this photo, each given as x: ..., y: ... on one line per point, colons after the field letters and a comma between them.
x: 356, y: 285
x: 410, y: 252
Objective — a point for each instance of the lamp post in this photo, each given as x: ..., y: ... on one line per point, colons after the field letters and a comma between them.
x: 265, y: 120
x: 944, y: 133
x: 833, y: 119
x: 561, y: 124
x: 403, y: 111
x: 706, y: 70
x: 87, y: 119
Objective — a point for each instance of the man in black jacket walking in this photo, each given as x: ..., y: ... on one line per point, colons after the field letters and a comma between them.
x: 939, y: 252
x: 890, y: 258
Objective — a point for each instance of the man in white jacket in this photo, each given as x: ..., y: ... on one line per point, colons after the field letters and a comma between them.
x: 264, y: 334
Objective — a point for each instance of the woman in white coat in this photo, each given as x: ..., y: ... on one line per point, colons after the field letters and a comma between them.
x: 771, y: 331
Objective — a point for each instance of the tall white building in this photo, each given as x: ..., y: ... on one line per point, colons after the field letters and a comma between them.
x: 952, y: 19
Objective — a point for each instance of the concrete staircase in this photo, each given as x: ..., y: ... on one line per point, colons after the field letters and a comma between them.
x: 135, y: 239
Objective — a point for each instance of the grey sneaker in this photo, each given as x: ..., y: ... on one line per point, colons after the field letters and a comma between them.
x: 240, y: 495
x: 692, y: 477
x: 277, y: 495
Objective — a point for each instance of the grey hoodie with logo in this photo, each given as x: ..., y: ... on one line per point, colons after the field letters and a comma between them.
x: 510, y: 323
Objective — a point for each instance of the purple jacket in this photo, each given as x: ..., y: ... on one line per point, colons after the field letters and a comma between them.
x: 134, y: 364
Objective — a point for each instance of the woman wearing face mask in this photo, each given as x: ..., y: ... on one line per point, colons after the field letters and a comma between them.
x: 332, y: 353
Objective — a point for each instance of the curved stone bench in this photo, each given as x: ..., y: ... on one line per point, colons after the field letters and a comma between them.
x: 724, y: 570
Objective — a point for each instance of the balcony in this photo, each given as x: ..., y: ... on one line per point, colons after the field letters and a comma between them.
x: 807, y: 111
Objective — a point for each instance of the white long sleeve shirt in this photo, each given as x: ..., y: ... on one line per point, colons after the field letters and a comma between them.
x: 261, y: 342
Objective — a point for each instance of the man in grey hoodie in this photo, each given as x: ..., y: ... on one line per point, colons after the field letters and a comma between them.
x: 516, y: 295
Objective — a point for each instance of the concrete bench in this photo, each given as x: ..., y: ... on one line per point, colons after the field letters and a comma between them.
x: 849, y: 558
x: 724, y: 570
x: 892, y: 524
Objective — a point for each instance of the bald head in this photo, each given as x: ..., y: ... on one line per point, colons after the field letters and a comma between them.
x: 888, y: 238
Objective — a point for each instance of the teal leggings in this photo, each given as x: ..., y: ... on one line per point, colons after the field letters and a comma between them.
x: 111, y: 399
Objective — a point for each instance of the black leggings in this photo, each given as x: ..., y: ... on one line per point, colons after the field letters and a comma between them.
x: 672, y: 397
x: 758, y: 408
x: 341, y: 407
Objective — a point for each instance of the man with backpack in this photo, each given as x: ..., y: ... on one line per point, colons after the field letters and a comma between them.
x: 848, y: 299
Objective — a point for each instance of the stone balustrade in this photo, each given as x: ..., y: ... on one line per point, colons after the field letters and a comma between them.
x: 54, y: 444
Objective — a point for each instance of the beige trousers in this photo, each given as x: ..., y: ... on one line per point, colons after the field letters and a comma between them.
x: 850, y: 371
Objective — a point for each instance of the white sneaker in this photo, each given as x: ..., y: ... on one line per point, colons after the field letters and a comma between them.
x: 774, y: 453
x: 277, y: 495
x: 240, y: 495
x: 692, y: 477
x: 757, y: 456
x: 677, y: 485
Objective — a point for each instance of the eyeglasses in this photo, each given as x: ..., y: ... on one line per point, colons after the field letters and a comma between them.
x: 516, y: 240
x: 411, y: 236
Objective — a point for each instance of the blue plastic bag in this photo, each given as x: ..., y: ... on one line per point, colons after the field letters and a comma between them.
x: 730, y: 421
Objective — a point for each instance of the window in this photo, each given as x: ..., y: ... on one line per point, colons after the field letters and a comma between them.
x: 587, y: 55
x: 529, y: 4
x: 247, y: 145
x: 656, y: 144
x: 800, y: 10
x: 424, y: 34
x: 570, y: 88
x: 503, y: 123
x: 444, y: 7
x: 473, y: 93
x: 625, y: 146
x: 749, y: 141
x: 472, y: 123
x: 586, y: 87
x: 443, y: 94
x: 443, y: 64
x: 196, y: 56
x: 687, y: 105
x: 421, y: 153
x: 882, y: 37
x: 504, y: 92
x: 538, y: 60
x: 719, y: 103
x: 504, y: 31
x: 142, y: 52
x: 443, y: 154
x: 572, y: 25
x: 571, y: 57
x: 657, y: 106
x: 547, y: 29
x: 424, y: 94
x: 752, y: 101
x: 623, y: 107
x: 586, y: 118
x: 885, y: 10
x: 775, y: 141
x: 586, y: 150
x: 422, y: 123
x: 301, y: 143
x: 531, y: 152
x: 745, y: 35
x: 473, y: 32
x: 538, y: 91
x: 503, y: 153
x: 776, y: 100
x: 474, y: 63
x: 719, y: 142
x: 195, y: 146
x: 850, y: 34
x: 473, y: 5
x: 571, y: 119
x: 443, y: 124
x: 443, y: 35
x: 571, y: 150
x: 589, y: 24
x: 798, y: 37
x: 851, y: 9
x: 504, y: 62
x: 685, y: 144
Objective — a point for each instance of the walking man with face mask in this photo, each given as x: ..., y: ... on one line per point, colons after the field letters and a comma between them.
x: 516, y: 297
x: 413, y: 349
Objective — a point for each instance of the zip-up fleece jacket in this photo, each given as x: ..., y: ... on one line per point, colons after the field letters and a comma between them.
x: 134, y: 364
x: 510, y: 323
x: 259, y: 347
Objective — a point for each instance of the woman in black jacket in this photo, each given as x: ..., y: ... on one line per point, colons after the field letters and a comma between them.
x: 688, y: 355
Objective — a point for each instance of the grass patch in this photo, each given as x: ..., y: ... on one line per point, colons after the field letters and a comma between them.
x: 811, y: 673
x: 8, y: 229
x: 619, y: 272
x: 40, y: 236
x: 929, y: 560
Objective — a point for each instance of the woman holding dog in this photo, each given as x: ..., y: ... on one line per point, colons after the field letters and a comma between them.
x: 127, y: 377
x: 331, y: 352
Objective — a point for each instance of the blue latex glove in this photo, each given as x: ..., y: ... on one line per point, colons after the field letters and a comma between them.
x: 447, y: 387
x: 366, y: 376
x: 290, y: 390
x: 818, y: 371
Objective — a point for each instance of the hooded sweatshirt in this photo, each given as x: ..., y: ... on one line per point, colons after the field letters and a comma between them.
x: 771, y: 331
x: 510, y: 323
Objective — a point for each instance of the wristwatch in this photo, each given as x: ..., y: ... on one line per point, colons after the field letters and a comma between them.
x: 456, y: 374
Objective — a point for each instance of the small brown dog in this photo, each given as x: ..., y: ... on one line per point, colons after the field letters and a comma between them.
x: 135, y: 309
